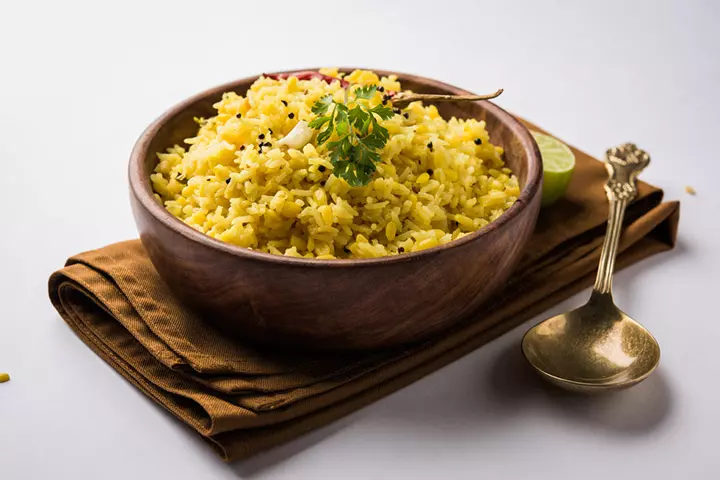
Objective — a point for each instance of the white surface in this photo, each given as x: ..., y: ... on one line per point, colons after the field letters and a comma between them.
x: 80, y: 80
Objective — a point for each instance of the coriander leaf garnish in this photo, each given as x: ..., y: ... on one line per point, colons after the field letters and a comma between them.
x: 322, y: 105
x: 365, y: 92
x: 324, y: 135
x: 360, y: 138
x: 382, y: 111
x: 319, y: 122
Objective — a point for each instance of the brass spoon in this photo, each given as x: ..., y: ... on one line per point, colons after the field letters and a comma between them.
x: 403, y: 99
x: 597, y: 347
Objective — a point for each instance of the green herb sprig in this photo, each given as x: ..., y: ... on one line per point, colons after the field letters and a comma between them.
x: 360, y: 138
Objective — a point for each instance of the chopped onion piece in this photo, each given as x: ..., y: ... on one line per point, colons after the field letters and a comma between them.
x: 298, y: 136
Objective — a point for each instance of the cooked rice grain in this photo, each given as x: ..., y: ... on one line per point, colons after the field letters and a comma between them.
x: 234, y: 184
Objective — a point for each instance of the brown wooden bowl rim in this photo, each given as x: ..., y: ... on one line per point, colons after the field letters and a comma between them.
x: 140, y: 185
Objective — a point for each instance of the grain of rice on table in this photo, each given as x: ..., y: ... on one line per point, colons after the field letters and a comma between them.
x: 437, y: 181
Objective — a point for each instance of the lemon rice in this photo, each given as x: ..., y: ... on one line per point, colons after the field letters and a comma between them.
x: 437, y: 179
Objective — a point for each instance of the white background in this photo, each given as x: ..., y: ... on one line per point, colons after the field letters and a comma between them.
x: 79, y: 81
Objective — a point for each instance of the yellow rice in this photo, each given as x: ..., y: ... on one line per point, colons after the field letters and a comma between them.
x: 283, y: 201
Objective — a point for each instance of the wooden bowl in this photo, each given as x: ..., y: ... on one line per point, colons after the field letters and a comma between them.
x: 336, y: 304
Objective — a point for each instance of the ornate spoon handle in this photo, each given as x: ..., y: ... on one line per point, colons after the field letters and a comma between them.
x: 624, y: 164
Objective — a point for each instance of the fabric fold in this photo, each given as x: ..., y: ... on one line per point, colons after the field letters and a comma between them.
x: 244, y: 398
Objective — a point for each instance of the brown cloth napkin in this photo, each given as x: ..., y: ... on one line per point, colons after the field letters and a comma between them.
x: 244, y: 399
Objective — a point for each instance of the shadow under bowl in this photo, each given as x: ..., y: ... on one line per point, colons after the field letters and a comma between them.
x: 335, y: 304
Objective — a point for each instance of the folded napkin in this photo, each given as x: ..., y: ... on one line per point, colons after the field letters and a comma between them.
x: 244, y: 398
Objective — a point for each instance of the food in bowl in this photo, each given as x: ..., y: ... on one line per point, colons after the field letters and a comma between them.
x: 358, y: 303
x: 323, y: 166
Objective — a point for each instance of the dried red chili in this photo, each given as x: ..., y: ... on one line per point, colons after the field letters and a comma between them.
x: 306, y: 75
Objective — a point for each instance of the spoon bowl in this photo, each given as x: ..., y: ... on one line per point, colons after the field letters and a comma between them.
x: 593, y: 348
